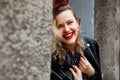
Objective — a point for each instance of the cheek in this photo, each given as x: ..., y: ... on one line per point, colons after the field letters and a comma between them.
x: 75, y: 28
x: 58, y: 33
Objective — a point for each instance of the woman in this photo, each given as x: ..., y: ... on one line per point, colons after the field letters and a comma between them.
x: 71, y: 54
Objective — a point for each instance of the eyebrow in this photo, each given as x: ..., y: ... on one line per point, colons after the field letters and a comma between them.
x: 65, y: 22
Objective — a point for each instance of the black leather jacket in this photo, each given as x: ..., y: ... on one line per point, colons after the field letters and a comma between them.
x: 91, y: 52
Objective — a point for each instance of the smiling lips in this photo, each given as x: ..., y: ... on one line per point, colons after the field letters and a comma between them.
x: 68, y: 36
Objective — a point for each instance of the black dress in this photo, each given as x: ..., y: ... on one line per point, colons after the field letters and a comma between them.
x: 91, y: 52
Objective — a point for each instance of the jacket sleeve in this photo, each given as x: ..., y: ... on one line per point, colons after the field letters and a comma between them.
x: 92, y: 54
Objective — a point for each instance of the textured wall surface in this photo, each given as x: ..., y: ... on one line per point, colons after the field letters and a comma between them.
x: 107, y: 33
x: 25, y: 39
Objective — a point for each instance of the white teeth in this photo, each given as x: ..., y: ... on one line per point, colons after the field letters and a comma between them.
x: 68, y: 35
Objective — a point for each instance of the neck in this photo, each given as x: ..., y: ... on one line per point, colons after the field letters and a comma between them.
x: 71, y: 48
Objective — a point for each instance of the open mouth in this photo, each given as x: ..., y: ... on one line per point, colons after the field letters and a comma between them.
x: 68, y: 36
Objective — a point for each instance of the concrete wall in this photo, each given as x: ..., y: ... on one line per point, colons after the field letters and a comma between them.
x: 85, y: 11
x: 25, y: 39
x: 107, y: 33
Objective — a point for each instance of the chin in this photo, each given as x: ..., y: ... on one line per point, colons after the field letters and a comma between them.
x: 70, y: 42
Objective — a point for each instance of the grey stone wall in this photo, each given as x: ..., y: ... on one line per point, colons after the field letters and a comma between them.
x: 25, y: 38
x: 107, y: 33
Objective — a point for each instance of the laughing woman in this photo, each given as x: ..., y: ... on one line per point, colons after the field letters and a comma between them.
x: 73, y: 57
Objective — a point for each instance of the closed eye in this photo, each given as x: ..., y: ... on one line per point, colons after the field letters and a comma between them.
x: 69, y: 22
x: 60, y: 26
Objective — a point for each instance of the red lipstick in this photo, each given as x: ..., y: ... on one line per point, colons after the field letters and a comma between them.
x: 68, y: 36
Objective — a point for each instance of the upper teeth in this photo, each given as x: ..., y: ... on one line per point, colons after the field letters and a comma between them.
x: 68, y: 35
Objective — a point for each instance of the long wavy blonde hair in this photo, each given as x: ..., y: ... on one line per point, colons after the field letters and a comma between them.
x: 57, y: 50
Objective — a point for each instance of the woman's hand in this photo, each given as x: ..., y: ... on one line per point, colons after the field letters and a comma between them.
x: 86, y: 67
x: 76, y: 73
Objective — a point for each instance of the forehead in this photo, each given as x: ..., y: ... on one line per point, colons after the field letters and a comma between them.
x: 64, y: 16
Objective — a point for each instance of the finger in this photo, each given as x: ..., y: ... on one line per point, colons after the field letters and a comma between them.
x: 81, y: 68
x: 75, y: 68
x: 72, y: 71
x: 86, y: 65
x: 82, y: 59
x: 85, y: 58
x: 83, y: 64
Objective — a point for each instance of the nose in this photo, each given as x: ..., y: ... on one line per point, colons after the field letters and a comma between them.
x: 66, y: 28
